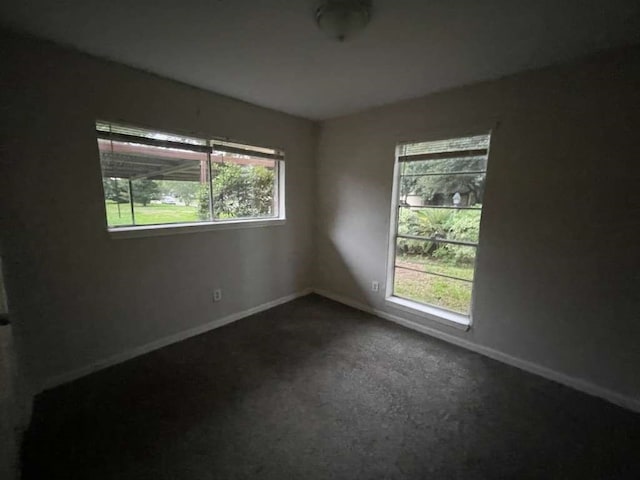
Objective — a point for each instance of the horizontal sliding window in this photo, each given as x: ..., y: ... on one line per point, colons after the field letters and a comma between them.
x: 156, y: 178
x: 437, y: 209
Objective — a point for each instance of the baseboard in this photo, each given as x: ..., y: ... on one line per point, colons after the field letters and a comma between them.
x: 67, y: 377
x: 572, y: 382
x: 583, y: 386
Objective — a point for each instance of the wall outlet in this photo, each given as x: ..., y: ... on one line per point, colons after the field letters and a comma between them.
x: 217, y: 295
x: 375, y: 286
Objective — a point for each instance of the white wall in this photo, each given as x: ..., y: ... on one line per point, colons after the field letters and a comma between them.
x: 557, y: 274
x: 78, y: 296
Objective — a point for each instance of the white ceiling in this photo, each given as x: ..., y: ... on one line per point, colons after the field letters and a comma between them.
x: 270, y: 52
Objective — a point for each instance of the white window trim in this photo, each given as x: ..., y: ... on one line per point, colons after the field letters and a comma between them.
x: 419, y: 309
x: 429, y: 312
x: 164, y: 229
x: 195, y: 227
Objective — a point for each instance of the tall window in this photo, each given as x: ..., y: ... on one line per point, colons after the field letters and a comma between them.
x: 439, y: 193
x: 155, y: 178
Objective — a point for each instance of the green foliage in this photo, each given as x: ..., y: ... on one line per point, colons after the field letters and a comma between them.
x: 435, y: 189
x: 408, y: 183
x: 204, y: 212
x: 443, y: 292
x: 186, y: 191
x: 116, y: 190
x: 435, y: 257
x: 407, y: 221
x: 430, y: 223
x: 465, y: 225
x: 183, y: 190
x: 462, y: 225
x: 433, y: 223
x: 242, y: 190
x: 152, y: 214
x: 238, y: 191
x: 145, y: 190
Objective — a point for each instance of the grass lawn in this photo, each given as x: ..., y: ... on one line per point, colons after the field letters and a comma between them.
x: 439, y: 291
x: 151, y: 214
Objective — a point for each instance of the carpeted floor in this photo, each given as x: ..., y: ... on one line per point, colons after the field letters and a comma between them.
x: 316, y: 390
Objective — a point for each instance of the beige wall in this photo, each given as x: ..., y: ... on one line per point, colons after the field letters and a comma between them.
x: 557, y: 273
x: 78, y: 296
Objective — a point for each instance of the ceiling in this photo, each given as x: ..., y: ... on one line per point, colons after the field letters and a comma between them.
x: 270, y: 52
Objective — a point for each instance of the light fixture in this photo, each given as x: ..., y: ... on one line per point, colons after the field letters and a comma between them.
x: 342, y: 18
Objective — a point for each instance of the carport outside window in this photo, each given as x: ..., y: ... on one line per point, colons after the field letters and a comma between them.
x: 156, y: 178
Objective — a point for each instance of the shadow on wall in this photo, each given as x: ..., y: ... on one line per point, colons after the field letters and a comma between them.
x: 353, y: 242
x: 337, y: 270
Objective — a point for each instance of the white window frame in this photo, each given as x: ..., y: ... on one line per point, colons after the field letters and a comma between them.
x: 419, y: 309
x: 134, y: 231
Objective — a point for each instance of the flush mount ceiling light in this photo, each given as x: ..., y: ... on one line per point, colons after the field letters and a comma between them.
x: 341, y: 19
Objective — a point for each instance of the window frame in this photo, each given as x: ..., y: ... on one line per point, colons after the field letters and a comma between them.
x: 162, y: 229
x: 423, y: 310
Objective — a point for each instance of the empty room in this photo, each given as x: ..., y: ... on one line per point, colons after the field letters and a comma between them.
x: 319, y: 239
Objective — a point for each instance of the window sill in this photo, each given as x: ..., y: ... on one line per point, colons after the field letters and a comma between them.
x: 181, y: 228
x: 451, y: 319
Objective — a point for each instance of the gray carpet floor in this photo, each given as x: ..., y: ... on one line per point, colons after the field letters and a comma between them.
x: 316, y: 390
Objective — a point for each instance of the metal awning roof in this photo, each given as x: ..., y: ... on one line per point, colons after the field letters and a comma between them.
x: 137, y: 153
x: 154, y: 168
x: 135, y: 161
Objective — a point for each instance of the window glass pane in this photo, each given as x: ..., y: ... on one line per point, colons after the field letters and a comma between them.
x: 244, y: 186
x: 448, y: 145
x: 440, y: 223
x: 116, y: 197
x: 230, y: 146
x: 454, y: 295
x: 448, y: 165
x: 145, y: 133
x: 439, y: 199
x: 169, y: 185
x: 463, y: 190
x: 170, y: 201
x: 443, y: 258
x: 164, y: 178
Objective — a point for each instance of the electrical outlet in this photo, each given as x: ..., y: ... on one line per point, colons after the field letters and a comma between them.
x: 217, y: 295
x: 375, y: 286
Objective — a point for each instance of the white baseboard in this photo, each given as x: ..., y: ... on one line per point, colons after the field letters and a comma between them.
x: 584, y: 386
x: 573, y: 382
x: 163, y: 342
